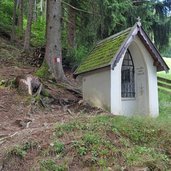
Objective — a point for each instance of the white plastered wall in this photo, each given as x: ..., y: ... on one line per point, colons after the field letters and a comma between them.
x: 151, y: 82
x: 96, y: 88
x: 146, y: 98
x: 116, y: 102
x: 138, y: 105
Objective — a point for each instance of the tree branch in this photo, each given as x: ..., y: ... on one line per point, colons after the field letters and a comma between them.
x: 77, y: 9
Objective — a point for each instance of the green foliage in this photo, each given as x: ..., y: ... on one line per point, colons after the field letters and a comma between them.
x: 165, y: 106
x: 102, y: 19
x: 73, y: 57
x: 59, y: 147
x: 18, y: 151
x: 149, y: 156
x: 43, y: 71
x: 21, y: 151
x: 163, y: 73
x: 6, y: 13
x: 80, y: 147
x: 91, y: 139
x: 112, y: 17
x: 38, y: 33
x: 50, y: 165
x: 68, y: 127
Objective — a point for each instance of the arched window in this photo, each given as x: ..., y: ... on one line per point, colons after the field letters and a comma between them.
x: 127, y: 76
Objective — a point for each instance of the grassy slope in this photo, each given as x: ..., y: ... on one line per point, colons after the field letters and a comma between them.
x: 108, y: 142
x: 163, y: 74
x: 114, y: 142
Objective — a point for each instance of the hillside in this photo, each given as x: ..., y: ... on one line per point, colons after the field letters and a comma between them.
x: 70, y: 135
x: 163, y: 74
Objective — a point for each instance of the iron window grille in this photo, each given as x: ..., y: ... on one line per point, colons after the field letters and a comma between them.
x: 127, y: 76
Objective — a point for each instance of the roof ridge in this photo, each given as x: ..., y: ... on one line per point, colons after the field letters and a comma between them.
x: 114, y: 35
x: 132, y: 29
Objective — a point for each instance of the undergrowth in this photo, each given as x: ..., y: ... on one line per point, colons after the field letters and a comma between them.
x: 21, y: 150
x: 43, y: 71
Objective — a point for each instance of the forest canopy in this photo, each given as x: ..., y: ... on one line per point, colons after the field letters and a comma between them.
x: 86, y: 22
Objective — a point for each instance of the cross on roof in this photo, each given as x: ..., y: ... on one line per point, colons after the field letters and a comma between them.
x: 139, y: 21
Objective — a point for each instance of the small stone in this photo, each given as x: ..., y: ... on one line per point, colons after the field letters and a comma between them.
x: 45, y: 124
x: 81, y: 102
x: 51, y: 144
x: 1, y: 167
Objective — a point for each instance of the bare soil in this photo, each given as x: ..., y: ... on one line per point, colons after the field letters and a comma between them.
x: 21, y: 122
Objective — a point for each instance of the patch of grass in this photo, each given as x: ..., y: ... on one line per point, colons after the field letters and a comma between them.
x: 80, y: 148
x: 18, y: 151
x: 91, y: 138
x: 165, y: 106
x: 58, y: 147
x: 68, y: 127
x: 50, y: 165
x: 149, y: 156
x: 43, y: 71
x: 163, y: 73
x: 21, y: 151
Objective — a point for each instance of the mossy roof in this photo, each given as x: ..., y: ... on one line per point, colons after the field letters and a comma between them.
x: 103, y: 53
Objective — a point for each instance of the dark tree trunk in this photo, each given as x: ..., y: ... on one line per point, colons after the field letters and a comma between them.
x: 47, y: 11
x: 35, y: 11
x: 20, y: 18
x: 29, y: 23
x: 14, y: 21
x: 53, y: 54
x: 71, y: 26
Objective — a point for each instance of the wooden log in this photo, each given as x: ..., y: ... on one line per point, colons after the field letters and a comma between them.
x: 164, y: 85
x: 27, y: 84
x: 164, y: 80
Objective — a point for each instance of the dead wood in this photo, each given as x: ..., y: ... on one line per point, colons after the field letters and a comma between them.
x: 68, y: 86
x: 27, y: 84
x: 2, y: 140
x: 2, y: 107
x: 24, y: 123
x: 7, y: 83
x: 34, y: 58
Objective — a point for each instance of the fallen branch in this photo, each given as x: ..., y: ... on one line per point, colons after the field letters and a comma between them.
x: 2, y: 107
x: 71, y: 88
x: 8, y: 137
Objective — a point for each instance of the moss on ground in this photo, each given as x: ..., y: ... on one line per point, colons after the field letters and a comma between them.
x: 43, y: 71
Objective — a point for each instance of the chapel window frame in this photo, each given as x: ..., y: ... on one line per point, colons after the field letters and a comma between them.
x: 128, y: 77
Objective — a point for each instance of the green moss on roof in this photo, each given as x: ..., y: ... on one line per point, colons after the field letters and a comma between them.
x: 103, y: 53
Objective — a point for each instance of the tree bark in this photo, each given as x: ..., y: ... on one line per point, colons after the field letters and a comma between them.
x: 29, y: 23
x: 35, y: 11
x: 53, y: 53
x: 14, y: 21
x: 47, y: 11
x: 71, y: 26
x: 20, y: 18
